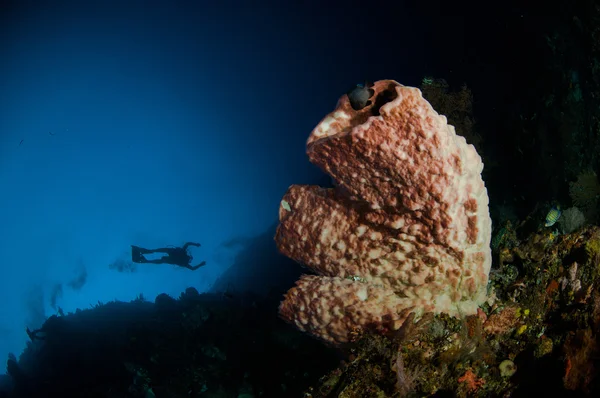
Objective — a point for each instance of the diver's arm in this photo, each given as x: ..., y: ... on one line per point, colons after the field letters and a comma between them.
x: 195, y: 267
x: 190, y: 244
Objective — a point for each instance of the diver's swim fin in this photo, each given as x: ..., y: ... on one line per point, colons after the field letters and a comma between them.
x: 136, y: 254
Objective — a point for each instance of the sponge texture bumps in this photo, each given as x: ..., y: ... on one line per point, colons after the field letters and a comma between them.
x: 406, y: 228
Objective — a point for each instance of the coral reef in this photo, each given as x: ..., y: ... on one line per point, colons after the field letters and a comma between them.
x: 406, y: 229
x: 535, y: 336
x: 199, y: 345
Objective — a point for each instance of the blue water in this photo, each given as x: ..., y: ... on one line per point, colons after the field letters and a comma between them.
x: 154, y: 124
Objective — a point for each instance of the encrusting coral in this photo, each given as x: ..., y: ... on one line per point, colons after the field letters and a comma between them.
x: 406, y: 229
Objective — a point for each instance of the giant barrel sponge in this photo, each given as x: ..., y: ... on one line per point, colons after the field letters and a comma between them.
x: 405, y: 230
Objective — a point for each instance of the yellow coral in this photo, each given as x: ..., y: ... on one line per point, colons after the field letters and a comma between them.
x: 592, y: 249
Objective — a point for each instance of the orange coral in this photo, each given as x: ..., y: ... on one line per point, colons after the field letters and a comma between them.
x: 580, y: 350
x: 550, y: 291
x: 552, y: 287
x: 472, y: 381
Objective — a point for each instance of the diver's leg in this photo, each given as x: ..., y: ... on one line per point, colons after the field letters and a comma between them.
x: 157, y: 261
x: 137, y: 254
x: 141, y: 250
x: 167, y: 250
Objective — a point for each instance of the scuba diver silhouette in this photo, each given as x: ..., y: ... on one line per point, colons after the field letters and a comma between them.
x: 174, y: 255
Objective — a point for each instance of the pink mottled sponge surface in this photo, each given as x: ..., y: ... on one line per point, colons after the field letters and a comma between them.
x: 407, y: 228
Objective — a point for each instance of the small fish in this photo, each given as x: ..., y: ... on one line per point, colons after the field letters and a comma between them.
x: 20, y: 142
x: 553, y: 216
x: 360, y: 96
